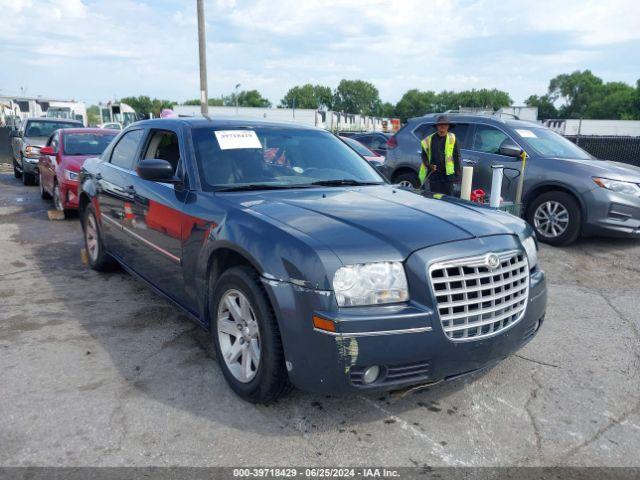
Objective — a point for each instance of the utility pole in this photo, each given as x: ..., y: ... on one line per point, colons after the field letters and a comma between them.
x: 237, y: 86
x: 202, y: 47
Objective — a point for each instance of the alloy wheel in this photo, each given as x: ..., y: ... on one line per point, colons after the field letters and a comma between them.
x: 551, y: 219
x: 406, y: 184
x: 238, y: 335
x: 91, y: 238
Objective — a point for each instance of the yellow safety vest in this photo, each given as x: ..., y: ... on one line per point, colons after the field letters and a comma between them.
x: 448, y: 155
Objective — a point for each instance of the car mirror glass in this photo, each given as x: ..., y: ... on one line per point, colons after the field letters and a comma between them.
x: 509, y: 149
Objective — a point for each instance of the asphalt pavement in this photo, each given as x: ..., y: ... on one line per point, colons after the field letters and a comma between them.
x: 95, y: 369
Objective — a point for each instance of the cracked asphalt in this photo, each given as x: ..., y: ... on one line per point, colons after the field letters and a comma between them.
x: 98, y: 370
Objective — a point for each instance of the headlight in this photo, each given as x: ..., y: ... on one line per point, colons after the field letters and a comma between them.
x: 69, y: 175
x: 370, y: 284
x: 531, y: 248
x: 618, y: 186
x: 32, y: 152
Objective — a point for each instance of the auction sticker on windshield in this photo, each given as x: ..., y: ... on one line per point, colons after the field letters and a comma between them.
x: 526, y: 133
x: 233, y: 139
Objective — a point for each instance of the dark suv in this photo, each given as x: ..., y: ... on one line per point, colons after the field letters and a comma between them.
x: 567, y: 192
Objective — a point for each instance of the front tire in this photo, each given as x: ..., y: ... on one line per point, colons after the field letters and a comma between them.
x: 16, y: 173
x: 556, y: 218
x: 99, y: 259
x: 28, y: 179
x: 57, y: 198
x: 246, y: 337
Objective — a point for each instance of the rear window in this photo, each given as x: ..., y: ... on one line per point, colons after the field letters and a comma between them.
x: 87, y: 143
x: 45, y: 129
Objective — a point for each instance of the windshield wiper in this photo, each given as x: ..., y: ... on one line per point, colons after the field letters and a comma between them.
x: 257, y: 186
x: 344, y: 181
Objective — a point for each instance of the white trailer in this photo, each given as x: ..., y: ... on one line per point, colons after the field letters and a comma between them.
x: 577, y: 127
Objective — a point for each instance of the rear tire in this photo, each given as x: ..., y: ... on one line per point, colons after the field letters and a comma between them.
x: 269, y: 379
x: 99, y: 259
x: 407, y: 179
x: 556, y: 218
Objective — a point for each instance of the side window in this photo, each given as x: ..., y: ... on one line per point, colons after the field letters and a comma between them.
x: 488, y: 139
x: 460, y: 130
x: 55, y: 140
x: 123, y: 153
x: 163, y: 145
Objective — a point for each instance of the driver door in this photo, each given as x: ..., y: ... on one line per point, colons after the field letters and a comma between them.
x: 485, y: 147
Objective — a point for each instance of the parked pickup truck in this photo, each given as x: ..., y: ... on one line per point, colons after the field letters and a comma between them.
x: 27, y: 141
x: 310, y: 270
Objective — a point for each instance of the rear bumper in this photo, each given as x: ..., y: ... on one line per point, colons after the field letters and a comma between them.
x: 406, y: 341
x: 611, y: 214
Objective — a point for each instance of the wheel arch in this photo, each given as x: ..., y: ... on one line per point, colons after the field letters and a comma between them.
x: 403, y: 169
x: 538, y: 190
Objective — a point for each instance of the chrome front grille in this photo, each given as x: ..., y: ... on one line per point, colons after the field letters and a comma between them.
x: 476, y: 301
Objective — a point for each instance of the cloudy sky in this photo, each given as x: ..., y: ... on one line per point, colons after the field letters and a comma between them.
x: 98, y: 50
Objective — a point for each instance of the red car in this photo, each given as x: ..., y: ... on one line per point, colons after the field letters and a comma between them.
x: 61, y: 159
x: 369, y: 155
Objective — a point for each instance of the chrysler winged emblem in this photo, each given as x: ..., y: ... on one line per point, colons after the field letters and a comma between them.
x: 492, y: 261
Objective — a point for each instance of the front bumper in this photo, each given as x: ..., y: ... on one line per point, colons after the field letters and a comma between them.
x: 611, y: 214
x: 30, y: 166
x: 407, y: 341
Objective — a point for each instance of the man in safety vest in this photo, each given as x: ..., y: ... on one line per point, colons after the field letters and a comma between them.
x: 441, y: 157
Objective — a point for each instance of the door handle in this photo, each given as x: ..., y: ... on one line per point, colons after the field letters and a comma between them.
x: 469, y: 161
x: 130, y: 190
x: 98, y: 176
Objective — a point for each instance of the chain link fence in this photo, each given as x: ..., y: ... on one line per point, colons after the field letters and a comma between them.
x: 618, y: 149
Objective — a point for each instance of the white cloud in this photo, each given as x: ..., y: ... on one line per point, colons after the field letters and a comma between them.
x: 127, y: 47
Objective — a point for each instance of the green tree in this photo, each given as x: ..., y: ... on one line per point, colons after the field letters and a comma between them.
x: 577, y: 90
x: 415, y: 103
x: 247, y: 98
x: 357, y: 96
x: 93, y: 115
x: 308, y: 96
x: 387, y: 109
x: 145, y: 106
x: 546, y: 108
x: 614, y: 101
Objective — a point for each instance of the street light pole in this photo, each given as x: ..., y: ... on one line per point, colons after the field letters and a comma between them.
x: 202, y: 47
x: 237, y: 86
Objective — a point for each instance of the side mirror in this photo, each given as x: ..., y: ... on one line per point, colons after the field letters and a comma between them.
x: 47, y: 151
x: 510, y: 150
x: 156, y: 170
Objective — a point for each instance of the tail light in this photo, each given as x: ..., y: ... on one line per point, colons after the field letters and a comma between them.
x: 392, y: 142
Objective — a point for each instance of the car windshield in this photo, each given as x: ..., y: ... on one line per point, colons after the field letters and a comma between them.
x: 548, y: 143
x: 358, y: 147
x: 86, y: 143
x: 272, y: 157
x: 45, y: 129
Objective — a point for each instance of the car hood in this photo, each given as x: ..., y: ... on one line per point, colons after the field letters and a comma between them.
x: 74, y: 162
x: 374, y: 223
x: 607, y: 169
x: 35, y: 141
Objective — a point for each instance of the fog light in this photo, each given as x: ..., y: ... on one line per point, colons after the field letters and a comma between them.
x: 371, y: 374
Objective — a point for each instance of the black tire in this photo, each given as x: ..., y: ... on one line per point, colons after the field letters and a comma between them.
x: 16, y: 173
x: 572, y: 207
x: 101, y: 261
x: 43, y: 193
x: 409, y: 177
x: 28, y: 179
x: 271, y: 379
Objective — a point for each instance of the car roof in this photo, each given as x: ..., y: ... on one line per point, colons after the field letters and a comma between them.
x: 471, y: 118
x: 217, y: 122
x: 90, y: 130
